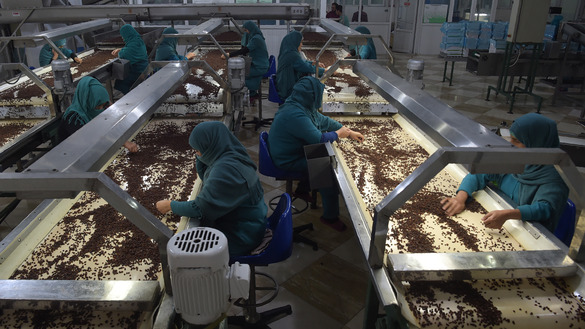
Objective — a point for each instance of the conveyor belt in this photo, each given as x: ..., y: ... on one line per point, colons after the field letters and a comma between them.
x: 512, y: 303
x: 452, y: 139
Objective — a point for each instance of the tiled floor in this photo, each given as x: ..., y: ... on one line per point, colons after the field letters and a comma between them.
x: 327, y: 287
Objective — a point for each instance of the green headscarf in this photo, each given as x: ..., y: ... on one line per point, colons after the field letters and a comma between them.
x: 535, y: 130
x: 167, y: 50
x: 46, y: 55
x: 89, y: 94
x: 307, y: 94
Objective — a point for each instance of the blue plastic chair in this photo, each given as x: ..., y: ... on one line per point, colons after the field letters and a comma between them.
x: 271, y: 67
x: 267, y: 168
x: 279, y: 249
x: 272, y: 91
x: 566, y: 226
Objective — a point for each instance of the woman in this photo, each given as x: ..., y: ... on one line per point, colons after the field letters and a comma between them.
x: 253, y: 45
x: 231, y: 199
x: 540, y: 192
x: 135, y: 52
x: 167, y: 50
x: 367, y: 51
x: 298, y: 123
x: 291, y: 66
x: 89, y: 100
x: 48, y: 54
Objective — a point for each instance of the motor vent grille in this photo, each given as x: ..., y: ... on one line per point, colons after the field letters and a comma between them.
x: 196, y: 241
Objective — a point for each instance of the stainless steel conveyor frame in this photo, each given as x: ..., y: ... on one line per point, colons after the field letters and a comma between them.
x: 459, y: 140
x: 347, y: 36
x: 156, y: 12
x: 72, y: 167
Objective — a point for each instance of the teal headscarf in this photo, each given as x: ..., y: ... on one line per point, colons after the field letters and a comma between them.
x: 221, y: 149
x: 291, y: 66
x: 367, y: 51
x: 289, y: 49
x: 89, y: 94
x: 307, y: 94
x: 258, y: 52
x: 46, y: 55
x: 135, y: 49
x: 167, y: 50
x: 535, y: 130
x: 135, y: 52
x: 253, y: 29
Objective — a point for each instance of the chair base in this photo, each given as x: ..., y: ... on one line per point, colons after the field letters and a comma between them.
x: 266, y: 317
x: 298, y: 208
x: 257, y: 122
x: 297, y: 237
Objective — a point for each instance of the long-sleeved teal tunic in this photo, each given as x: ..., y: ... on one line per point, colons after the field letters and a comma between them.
x: 135, y: 52
x: 291, y: 66
x: 232, y: 198
x: 257, y: 51
x: 539, y: 192
x: 298, y: 123
x: 46, y: 55
x: 367, y: 51
x: 167, y: 50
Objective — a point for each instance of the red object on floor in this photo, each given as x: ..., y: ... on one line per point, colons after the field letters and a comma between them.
x: 337, y: 224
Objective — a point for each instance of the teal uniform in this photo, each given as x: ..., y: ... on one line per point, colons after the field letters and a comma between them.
x: 254, y: 41
x: 298, y: 123
x: 232, y: 198
x: 89, y: 94
x: 367, y: 51
x: 135, y: 52
x: 46, y: 55
x: 291, y: 66
x: 540, y: 192
x: 167, y: 50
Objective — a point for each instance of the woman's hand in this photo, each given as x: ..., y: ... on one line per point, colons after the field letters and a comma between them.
x: 453, y: 206
x: 223, y: 56
x: 321, y: 65
x: 343, y: 132
x: 495, y: 219
x: 163, y: 206
x: 131, y: 146
x: 356, y: 136
x: 78, y: 60
x: 190, y: 56
x: 116, y: 51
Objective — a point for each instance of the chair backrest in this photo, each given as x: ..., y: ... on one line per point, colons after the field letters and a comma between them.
x: 265, y: 165
x: 272, y: 91
x: 271, y: 67
x: 280, y: 247
x: 566, y: 226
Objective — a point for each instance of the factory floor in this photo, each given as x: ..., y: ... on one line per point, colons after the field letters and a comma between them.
x: 327, y: 288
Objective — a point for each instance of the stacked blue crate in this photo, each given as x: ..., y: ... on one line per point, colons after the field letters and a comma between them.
x: 485, y: 35
x: 453, y: 38
x: 472, y: 32
x: 549, y: 32
x: 500, y: 30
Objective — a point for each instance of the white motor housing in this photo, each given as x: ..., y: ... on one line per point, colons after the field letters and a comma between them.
x: 237, y: 72
x: 202, y: 280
